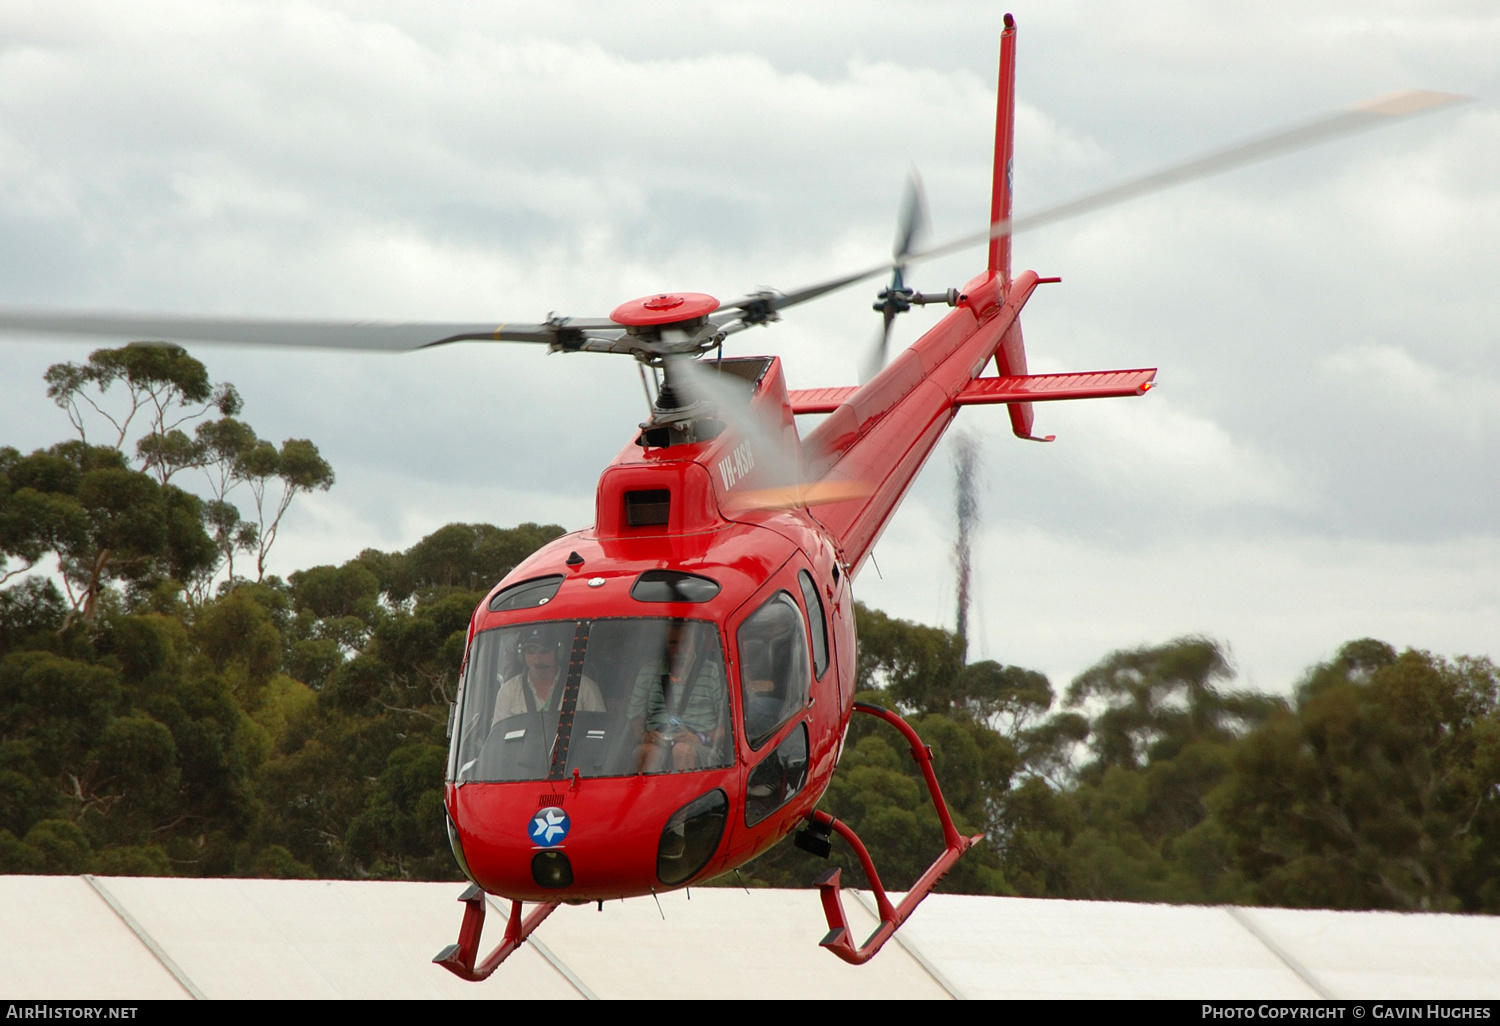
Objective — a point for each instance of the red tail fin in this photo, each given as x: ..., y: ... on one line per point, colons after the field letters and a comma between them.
x: 1010, y: 356
x: 1005, y: 132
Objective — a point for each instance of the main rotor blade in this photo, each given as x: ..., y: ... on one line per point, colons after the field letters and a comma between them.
x: 772, y: 301
x: 757, y: 307
x: 1375, y: 113
x: 320, y: 334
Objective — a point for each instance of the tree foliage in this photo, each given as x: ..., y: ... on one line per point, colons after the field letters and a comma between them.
x: 163, y: 388
x: 290, y: 729
x: 99, y: 519
x: 1380, y: 789
x: 1153, y: 780
x: 154, y: 723
x: 144, y: 395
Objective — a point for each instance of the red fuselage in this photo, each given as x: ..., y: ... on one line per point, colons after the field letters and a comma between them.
x: 879, y: 439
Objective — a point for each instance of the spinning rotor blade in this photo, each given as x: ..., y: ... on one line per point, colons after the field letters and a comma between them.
x: 874, y: 361
x: 564, y: 334
x: 756, y: 308
x: 914, y: 224
x: 763, y: 306
x: 1375, y: 113
x: 911, y: 228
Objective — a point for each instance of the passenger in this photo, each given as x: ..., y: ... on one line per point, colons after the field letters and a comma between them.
x: 679, y: 708
x: 763, y: 706
x: 543, y: 677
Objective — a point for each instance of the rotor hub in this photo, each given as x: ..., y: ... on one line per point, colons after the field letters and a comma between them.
x: 664, y: 309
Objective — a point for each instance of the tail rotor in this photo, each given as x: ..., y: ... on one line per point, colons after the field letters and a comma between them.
x: 896, y: 298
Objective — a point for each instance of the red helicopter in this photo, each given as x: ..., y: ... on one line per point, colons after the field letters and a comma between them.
x: 661, y: 697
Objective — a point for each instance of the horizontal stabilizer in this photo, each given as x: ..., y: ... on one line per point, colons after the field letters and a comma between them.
x: 820, y: 400
x: 1040, y: 388
x: 1027, y: 388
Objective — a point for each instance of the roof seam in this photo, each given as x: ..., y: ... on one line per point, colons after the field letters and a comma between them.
x: 1239, y: 916
x: 145, y: 938
x: 911, y: 949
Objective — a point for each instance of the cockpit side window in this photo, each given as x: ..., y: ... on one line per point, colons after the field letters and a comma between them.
x: 778, y: 778
x: 818, y: 621
x: 773, y: 667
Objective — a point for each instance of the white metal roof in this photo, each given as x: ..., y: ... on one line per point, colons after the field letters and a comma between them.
x: 141, y: 937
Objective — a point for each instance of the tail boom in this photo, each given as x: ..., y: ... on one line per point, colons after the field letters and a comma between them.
x: 882, y: 433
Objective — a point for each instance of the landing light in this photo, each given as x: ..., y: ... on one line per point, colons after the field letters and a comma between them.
x: 552, y: 870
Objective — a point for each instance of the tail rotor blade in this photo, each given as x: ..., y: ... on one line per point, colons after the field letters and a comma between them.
x: 912, y: 226
x: 915, y: 222
x: 875, y: 355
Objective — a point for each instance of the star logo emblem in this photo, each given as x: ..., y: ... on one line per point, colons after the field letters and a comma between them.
x: 549, y: 826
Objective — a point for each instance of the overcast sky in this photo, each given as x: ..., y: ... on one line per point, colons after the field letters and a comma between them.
x: 1319, y: 462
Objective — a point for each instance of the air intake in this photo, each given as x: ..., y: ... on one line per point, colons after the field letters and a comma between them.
x: 648, y: 508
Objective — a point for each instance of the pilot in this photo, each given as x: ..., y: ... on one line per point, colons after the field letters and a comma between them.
x: 679, y: 707
x: 539, y: 686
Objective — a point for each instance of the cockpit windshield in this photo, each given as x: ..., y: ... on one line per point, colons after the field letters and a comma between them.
x: 606, y: 698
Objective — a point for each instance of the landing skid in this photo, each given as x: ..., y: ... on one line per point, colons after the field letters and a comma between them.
x: 815, y: 839
x: 459, y: 958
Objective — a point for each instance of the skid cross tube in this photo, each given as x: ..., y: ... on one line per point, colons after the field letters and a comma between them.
x: 891, y: 916
x: 459, y: 958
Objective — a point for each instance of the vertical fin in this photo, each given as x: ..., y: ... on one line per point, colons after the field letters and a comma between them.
x: 1005, y: 132
x: 1010, y: 356
x: 1010, y: 362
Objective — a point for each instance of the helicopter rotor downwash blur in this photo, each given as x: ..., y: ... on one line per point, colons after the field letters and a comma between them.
x: 659, y: 697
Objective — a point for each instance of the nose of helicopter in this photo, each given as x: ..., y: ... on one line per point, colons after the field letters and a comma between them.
x: 591, y: 839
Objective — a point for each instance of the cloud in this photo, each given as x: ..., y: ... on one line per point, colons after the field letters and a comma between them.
x: 1326, y: 326
x: 1422, y: 394
x: 1177, y: 457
